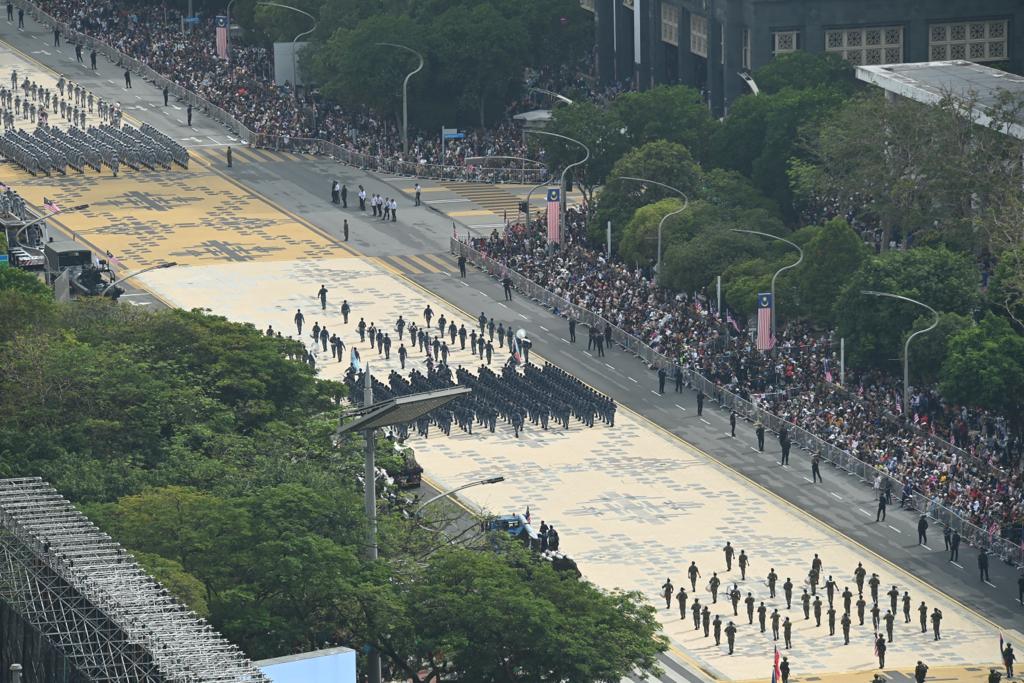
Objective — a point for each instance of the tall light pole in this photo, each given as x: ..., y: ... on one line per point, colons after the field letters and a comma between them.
x: 530, y: 194
x: 550, y: 93
x: 446, y: 494
x: 295, y: 69
x: 686, y: 202
x: 775, y: 304
x: 561, y: 207
x: 395, y: 411
x: 28, y: 224
x: 906, y: 345
x: 129, y: 276
x: 405, y: 94
x: 228, y: 17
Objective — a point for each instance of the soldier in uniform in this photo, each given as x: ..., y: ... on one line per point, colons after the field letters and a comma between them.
x: 681, y: 599
x: 693, y: 573
x: 772, y: 579
x: 847, y: 599
x: 845, y: 623
x: 787, y: 590
x: 730, y: 636
x: 717, y: 623
x: 759, y: 431
x: 749, y: 602
x: 713, y: 585
x: 906, y: 607
x: 762, y: 615
x: 873, y: 583
x: 858, y: 575
x: 806, y: 600
x: 832, y: 620
x: 667, y: 589
x: 894, y: 596
x: 734, y: 597
x: 936, y: 623
x: 705, y: 620
x: 775, y: 624
x: 817, y: 610
x: 787, y: 632
x: 744, y: 563
x: 890, y: 619
x: 695, y: 611
x: 728, y: 549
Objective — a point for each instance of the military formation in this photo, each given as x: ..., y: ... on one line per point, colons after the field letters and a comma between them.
x: 838, y: 609
x: 51, y: 150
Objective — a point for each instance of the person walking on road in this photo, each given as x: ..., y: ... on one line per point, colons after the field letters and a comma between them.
x: 661, y: 380
x: 299, y: 319
x: 418, y: 189
x: 188, y: 115
x: 668, y: 590
x: 322, y: 295
x: 700, y: 402
x: 228, y: 153
x: 880, y: 650
x: 167, y: 92
x: 1008, y: 659
x: 983, y: 565
x: 880, y: 513
x: 759, y: 432
x: 922, y: 531
x: 729, y: 552
x: 730, y: 636
x: 693, y: 573
x: 127, y: 79
x: 920, y: 671
x: 816, y: 469
x: 937, y: 623
x: 681, y: 599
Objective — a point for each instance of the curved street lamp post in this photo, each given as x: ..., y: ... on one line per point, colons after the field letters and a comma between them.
x: 780, y: 270
x: 405, y: 93
x: 450, y: 492
x: 661, y: 223
x: 585, y: 159
x: 295, y: 68
x: 129, y: 276
x: 906, y: 345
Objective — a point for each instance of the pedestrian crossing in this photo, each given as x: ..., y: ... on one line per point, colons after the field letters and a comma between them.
x: 416, y: 264
x: 494, y: 198
x: 241, y: 154
x: 674, y: 672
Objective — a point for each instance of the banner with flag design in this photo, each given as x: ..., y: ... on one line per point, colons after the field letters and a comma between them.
x: 765, y: 338
x: 554, y: 214
x: 221, y: 23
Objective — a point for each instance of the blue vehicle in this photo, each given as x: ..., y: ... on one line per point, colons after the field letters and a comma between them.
x: 515, y: 525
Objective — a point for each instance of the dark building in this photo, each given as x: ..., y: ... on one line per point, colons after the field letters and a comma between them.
x: 709, y: 43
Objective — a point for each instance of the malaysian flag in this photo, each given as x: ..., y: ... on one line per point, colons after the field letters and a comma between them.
x: 776, y: 672
x: 50, y: 204
x: 554, y: 208
x: 731, y: 320
x: 765, y: 339
x: 222, y: 36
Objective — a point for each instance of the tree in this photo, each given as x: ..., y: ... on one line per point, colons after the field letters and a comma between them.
x: 599, y: 128
x: 351, y: 66
x: 664, y: 162
x: 182, y: 585
x: 759, y: 137
x: 803, y: 70
x: 17, y: 280
x: 674, y: 113
x: 985, y: 368
x: 929, y: 351
x: 831, y: 257
x: 640, y: 238
x: 874, y: 327
x: 480, y: 56
x: 509, y: 617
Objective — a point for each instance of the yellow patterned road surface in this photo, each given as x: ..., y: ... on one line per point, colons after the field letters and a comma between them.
x: 193, y: 217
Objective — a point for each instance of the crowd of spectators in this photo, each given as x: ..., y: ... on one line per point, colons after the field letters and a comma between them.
x: 980, y: 477
x: 245, y: 88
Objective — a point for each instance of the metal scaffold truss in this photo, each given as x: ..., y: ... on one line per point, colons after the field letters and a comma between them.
x: 86, y: 594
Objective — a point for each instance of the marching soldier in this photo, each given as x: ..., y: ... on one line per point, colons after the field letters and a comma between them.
x: 772, y: 578
x: 717, y: 623
x: 713, y: 584
x: 787, y: 632
x: 762, y: 614
x: 817, y: 610
x: 749, y: 602
x: 730, y: 636
x: 845, y: 623
x: 906, y: 607
x: 681, y: 599
x: 728, y: 549
x: 806, y: 600
x: 667, y: 589
x: 922, y: 611
x: 744, y: 563
x: 787, y: 590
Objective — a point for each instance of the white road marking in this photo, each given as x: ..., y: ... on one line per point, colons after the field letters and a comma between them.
x: 446, y: 201
x: 681, y: 408
x: 565, y: 340
x: 864, y: 511
x: 502, y: 305
x: 808, y: 480
x: 630, y: 379
x: 925, y: 547
x: 173, y: 105
x: 523, y: 316
x: 608, y: 366
x: 754, y: 449
x: 991, y: 584
x: 705, y: 421
x: 894, y: 528
x: 543, y: 328
x: 957, y: 564
x: 212, y: 139
x: 655, y: 392
x: 836, y: 495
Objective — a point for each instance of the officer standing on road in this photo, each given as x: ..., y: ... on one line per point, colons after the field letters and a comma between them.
x: 188, y: 115
x: 299, y: 319
x: 954, y: 547
x: 845, y: 623
x: 677, y: 375
x: 983, y: 565
x: 730, y: 636
x: 784, y: 444
x: 759, y: 431
x: 922, y: 531
x: 729, y: 552
x: 947, y: 534
x: 167, y: 93
x: 681, y: 599
x: 732, y: 422
x: 717, y: 623
x: 816, y: 469
x: 880, y: 512
x: 229, y: 156
x: 693, y: 573
x: 78, y: 53
x: 787, y: 590
x: 506, y: 284
x: 128, y: 79
x: 92, y: 59
x: 787, y: 635
x: 700, y: 402
x: 572, y: 330
x: 462, y: 266
x: 661, y: 380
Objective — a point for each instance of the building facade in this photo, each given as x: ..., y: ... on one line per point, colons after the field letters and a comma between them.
x: 709, y: 43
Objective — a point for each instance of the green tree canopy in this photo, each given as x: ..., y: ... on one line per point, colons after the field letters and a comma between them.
x: 803, y: 70
x: 874, y: 327
x: 674, y: 113
x: 985, y: 367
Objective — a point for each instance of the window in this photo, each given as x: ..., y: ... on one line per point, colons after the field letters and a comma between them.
x: 879, y: 45
x: 699, y: 35
x: 785, y: 41
x: 587, y: 5
x: 746, y: 49
x: 670, y: 24
x: 977, y: 41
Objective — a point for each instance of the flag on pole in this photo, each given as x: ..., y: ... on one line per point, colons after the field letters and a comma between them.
x: 355, y: 360
x: 765, y: 339
x: 222, y: 36
x: 554, y: 214
x: 517, y: 352
x: 776, y: 672
x: 50, y: 204
x: 731, y: 320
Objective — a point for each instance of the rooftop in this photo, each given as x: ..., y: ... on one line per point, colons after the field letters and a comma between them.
x: 930, y: 82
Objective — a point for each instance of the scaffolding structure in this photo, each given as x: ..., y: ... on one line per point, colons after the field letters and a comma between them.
x: 87, y: 595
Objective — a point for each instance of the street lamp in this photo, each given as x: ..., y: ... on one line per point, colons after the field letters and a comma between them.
x: 482, y: 482
x: 40, y: 219
x: 295, y: 70
x: 169, y: 264
x: 561, y: 208
x: 530, y: 194
x: 792, y: 265
x: 686, y: 202
x: 906, y: 345
x: 550, y: 93
x: 373, y: 417
x: 405, y: 94
x: 228, y: 18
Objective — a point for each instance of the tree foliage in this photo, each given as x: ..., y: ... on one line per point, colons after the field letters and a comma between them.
x: 985, y: 367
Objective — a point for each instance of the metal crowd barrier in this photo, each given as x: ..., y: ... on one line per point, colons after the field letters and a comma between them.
x: 971, y: 534
x: 284, y: 142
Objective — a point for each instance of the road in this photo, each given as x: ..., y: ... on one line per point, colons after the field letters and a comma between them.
x: 841, y: 501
